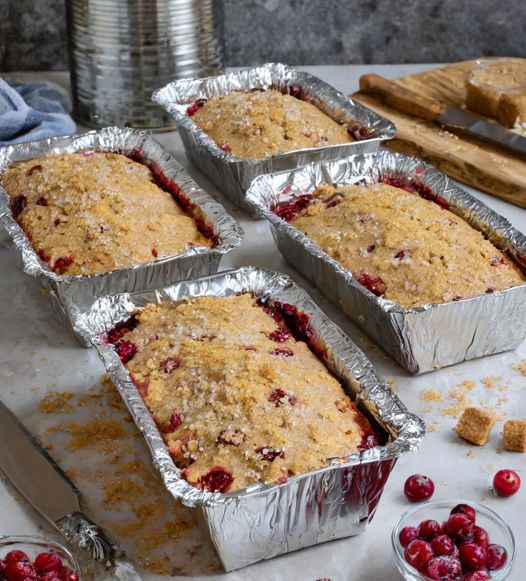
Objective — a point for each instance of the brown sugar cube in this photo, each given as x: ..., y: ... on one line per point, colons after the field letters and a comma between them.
x: 475, y: 426
x: 515, y: 435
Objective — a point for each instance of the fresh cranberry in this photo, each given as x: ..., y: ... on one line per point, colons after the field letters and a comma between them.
x: 506, y: 482
x: 34, y: 169
x: 51, y: 576
x: 175, y: 422
x: 69, y: 575
x: 444, y: 568
x: 278, y: 397
x: 270, y: 454
x: 284, y: 351
x: 472, y: 555
x: 480, y: 575
x: 41, y: 201
x: 460, y: 525
x: 376, y: 285
x: 442, y: 545
x: 170, y: 364
x: 20, y: 571
x: 195, y: 106
x: 18, y: 203
x: 480, y: 536
x: 418, y: 553
x: 496, y: 556
x: 16, y: 556
x: 418, y: 488
x: 465, y: 509
x: 408, y: 534
x: 126, y: 350
x: 429, y: 529
x: 60, y: 264
x: 3, y: 567
x: 217, y: 479
x: 48, y: 562
x: 288, y: 210
x: 280, y: 335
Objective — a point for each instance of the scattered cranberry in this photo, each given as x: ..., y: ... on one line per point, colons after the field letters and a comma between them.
x: 20, y: 571
x: 369, y: 441
x: 288, y: 210
x: 60, y: 264
x: 278, y: 396
x: 472, y: 555
x: 295, y: 91
x: 442, y: 545
x: 18, y: 203
x: 371, y: 248
x: 465, y: 509
x: 497, y: 261
x: 401, y: 254
x: 375, y: 285
x: 126, y: 350
x: 175, y: 422
x: 506, y: 482
x: 121, y: 329
x: 418, y: 553
x: 155, y: 253
x: 480, y: 536
x: 170, y: 364
x: 429, y: 529
x: 195, y: 106
x: 280, y: 335
x: 41, y: 201
x: 34, y: 169
x: 418, y: 488
x: 444, y: 568
x: 217, y: 479
x: 408, y: 534
x: 480, y: 575
x: 270, y: 454
x: 56, y: 221
x: 225, y: 147
x: 460, y: 526
x: 496, y: 557
x: 284, y: 351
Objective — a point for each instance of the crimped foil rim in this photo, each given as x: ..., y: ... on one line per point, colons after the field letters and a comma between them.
x: 174, y: 99
x: 349, y: 359
x: 113, y: 139
x: 352, y: 170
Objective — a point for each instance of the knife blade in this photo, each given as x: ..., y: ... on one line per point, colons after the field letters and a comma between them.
x: 431, y: 109
x: 47, y: 488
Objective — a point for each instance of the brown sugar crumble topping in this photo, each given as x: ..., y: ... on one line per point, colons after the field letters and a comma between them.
x: 91, y: 212
x: 231, y: 415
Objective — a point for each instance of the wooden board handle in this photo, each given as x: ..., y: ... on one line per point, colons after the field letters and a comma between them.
x: 401, y: 98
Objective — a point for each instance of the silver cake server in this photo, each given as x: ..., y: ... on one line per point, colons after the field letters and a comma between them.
x: 41, y: 481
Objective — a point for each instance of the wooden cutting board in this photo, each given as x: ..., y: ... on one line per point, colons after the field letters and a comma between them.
x: 466, y: 159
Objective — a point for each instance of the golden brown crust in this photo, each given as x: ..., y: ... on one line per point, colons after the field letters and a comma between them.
x: 263, y: 123
x: 421, y: 252
x: 223, y: 396
x: 96, y: 212
x: 475, y: 426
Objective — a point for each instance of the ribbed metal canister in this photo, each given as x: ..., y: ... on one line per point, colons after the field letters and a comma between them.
x: 122, y: 50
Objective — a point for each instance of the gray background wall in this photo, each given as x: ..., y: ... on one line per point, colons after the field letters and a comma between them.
x: 33, y: 32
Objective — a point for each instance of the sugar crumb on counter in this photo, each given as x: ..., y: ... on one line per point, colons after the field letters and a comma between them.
x: 431, y: 394
x: 521, y: 367
x: 57, y: 402
x: 490, y: 381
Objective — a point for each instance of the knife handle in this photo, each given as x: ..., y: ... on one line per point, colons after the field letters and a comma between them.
x: 86, y: 535
x: 401, y: 98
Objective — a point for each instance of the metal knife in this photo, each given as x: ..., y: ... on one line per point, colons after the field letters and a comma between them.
x: 431, y: 109
x: 36, y: 475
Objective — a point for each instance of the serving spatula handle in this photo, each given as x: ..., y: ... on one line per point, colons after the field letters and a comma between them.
x: 401, y: 98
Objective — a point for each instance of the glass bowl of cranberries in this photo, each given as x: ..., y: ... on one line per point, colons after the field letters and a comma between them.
x: 453, y: 540
x: 27, y: 558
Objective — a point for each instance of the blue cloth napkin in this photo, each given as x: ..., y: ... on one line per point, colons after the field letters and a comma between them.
x: 33, y: 111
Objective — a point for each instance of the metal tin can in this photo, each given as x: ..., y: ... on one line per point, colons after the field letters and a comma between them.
x: 122, y: 50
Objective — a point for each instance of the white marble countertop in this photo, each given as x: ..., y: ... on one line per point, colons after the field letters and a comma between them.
x: 37, y: 355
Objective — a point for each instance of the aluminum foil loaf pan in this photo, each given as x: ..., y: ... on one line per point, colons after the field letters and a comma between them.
x: 421, y: 338
x: 70, y: 293
x: 262, y: 521
x: 232, y: 175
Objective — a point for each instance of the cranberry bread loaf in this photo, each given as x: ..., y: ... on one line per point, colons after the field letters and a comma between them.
x: 94, y: 212
x: 408, y: 249
x: 258, y: 124
x: 238, y: 399
x: 498, y: 89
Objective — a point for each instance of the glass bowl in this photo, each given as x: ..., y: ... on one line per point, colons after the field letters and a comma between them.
x: 32, y: 546
x: 498, y: 531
